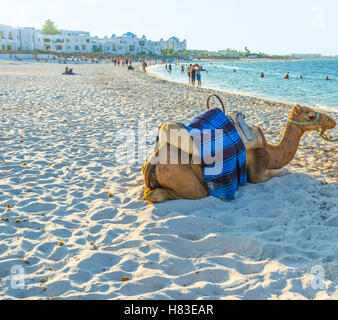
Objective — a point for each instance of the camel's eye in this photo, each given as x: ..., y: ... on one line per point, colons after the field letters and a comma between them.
x: 312, y: 116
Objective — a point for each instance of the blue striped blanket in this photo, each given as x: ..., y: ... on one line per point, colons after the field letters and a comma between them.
x: 222, y: 153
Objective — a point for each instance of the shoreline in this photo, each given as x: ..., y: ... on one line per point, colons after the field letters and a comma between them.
x: 245, y: 94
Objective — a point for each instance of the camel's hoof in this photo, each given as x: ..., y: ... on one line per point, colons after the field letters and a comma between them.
x: 159, y: 195
x: 284, y: 172
x: 156, y: 195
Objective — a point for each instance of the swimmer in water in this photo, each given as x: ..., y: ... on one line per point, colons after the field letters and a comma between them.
x: 300, y: 77
x: 287, y: 76
x: 262, y: 75
x: 327, y: 78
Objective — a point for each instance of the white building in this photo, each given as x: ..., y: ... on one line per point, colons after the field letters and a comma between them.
x: 175, y: 44
x: 67, y: 42
x: 128, y: 43
x: 30, y: 39
x: 9, y: 38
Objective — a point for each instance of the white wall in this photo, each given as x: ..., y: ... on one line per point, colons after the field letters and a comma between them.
x: 29, y: 39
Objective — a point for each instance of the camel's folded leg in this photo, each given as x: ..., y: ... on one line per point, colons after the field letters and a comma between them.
x: 272, y: 173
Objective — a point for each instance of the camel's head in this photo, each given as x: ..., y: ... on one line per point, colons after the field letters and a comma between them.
x: 310, y: 120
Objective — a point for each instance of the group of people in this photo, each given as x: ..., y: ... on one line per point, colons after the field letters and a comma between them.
x: 121, y: 61
x: 287, y: 76
x: 194, y: 73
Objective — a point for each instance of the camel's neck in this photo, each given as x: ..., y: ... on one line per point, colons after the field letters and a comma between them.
x: 282, y: 153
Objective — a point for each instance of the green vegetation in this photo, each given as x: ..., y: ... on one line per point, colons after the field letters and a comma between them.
x: 50, y: 28
x: 220, y: 54
x: 168, y: 52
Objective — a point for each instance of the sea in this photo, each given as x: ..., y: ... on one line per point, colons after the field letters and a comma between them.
x: 243, y: 77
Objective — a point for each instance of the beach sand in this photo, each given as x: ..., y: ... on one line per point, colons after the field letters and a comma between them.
x: 73, y: 224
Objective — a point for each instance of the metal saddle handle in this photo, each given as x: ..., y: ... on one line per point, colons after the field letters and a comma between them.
x: 219, y: 99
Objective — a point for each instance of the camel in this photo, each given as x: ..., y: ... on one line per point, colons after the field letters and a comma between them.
x: 167, y: 181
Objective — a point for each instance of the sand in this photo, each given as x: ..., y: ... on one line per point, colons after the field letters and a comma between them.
x: 73, y: 224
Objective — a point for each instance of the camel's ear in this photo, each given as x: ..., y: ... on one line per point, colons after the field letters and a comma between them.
x: 297, y: 109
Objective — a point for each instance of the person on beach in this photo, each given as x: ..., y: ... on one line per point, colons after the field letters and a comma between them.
x: 189, y: 72
x: 193, y: 74
x: 169, y: 68
x: 144, y: 65
x: 262, y: 75
x: 287, y: 76
x: 198, y: 75
x: 69, y: 71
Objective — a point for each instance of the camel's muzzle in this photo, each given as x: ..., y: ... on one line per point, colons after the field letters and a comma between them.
x: 326, y: 122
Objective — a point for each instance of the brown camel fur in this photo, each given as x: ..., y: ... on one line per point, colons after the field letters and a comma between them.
x: 168, y: 181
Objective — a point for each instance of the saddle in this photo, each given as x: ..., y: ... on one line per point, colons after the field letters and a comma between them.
x: 252, y: 137
x: 176, y: 134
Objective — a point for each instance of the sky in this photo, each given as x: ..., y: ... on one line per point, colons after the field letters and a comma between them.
x: 270, y: 26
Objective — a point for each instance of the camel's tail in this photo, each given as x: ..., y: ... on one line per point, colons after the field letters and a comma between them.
x: 153, y: 191
x: 148, y: 168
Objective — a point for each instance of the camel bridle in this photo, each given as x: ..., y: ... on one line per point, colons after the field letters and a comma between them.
x: 315, y: 122
x: 308, y: 123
